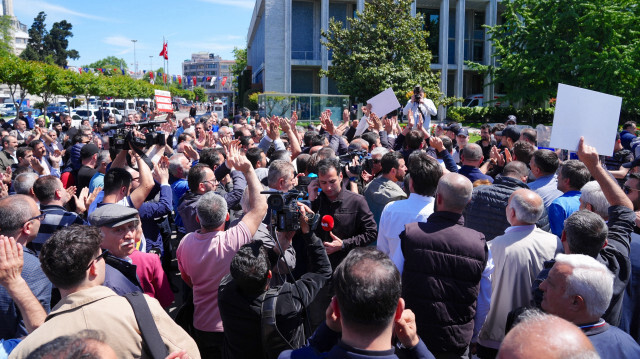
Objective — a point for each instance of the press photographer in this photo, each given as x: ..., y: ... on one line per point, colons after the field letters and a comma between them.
x: 262, y: 321
x: 420, y: 105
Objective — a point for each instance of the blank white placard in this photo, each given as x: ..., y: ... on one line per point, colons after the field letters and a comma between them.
x: 581, y: 112
x: 384, y: 102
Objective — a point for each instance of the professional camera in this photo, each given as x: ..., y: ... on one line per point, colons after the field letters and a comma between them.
x: 285, y: 212
x: 124, y: 135
x: 417, y: 93
x: 346, y: 160
x: 303, y: 183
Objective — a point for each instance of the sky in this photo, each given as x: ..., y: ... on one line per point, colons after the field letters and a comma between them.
x: 106, y: 28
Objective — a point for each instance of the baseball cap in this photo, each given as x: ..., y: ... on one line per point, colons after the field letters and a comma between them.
x: 113, y: 215
x: 454, y: 127
x: 511, y: 132
x: 511, y: 118
x: 463, y: 132
x: 88, y: 150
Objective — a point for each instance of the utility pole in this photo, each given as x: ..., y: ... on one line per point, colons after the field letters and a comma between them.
x: 135, y: 64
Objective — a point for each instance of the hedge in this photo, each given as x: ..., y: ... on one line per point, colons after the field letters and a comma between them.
x: 526, y: 115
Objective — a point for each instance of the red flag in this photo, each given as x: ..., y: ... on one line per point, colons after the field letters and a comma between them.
x: 164, y: 78
x: 151, y: 75
x: 164, y: 53
x: 80, y: 69
x: 180, y: 79
x: 194, y: 81
x: 224, y: 80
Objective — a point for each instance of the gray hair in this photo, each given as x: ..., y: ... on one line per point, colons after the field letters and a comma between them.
x: 525, y: 210
x: 589, y: 279
x: 278, y: 169
x: 85, y: 128
x: 586, y: 233
x: 24, y: 182
x: 103, y: 156
x: 592, y: 194
x: 175, y: 163
x: 472, y: 152
x: 211, y: 209
x: 456, y: 191
x: 379, y: 151
x: 14, y: 212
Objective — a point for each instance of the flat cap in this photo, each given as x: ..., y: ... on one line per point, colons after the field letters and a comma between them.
x: 113, y: 215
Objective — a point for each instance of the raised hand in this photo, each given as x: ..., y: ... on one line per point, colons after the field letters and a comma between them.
x: 285, y: 125
x: 236, y: 160
x: 345, y: 115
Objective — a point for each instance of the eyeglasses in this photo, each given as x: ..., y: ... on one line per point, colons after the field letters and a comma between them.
x: 39, y: 217
x: 104, y: 253
x: 628, y: 189
x: 212, y: 182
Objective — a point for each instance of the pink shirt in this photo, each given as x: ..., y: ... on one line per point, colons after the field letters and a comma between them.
x: 205, y: 259
x: 152, y: 277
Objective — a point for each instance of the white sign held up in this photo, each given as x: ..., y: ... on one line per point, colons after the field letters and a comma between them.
x: 591, y: 114
x: 384, y: 102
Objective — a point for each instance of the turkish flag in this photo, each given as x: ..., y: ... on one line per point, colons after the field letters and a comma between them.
x: 194, y: 81
x: 180, y: 79
x: 164, y: 78
x: 164, y: 53
x: 224, y: 80
x: 151, y: 75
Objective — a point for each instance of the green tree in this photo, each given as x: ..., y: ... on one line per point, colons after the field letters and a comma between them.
x: 6, y: 37
x: 56, y: 43
x: 383, y: 47
x: 47, y: 81
x: 18, y: 75
x: 591, y: 44
x: 35, y: 45
x: 109, y: 62
x: 240, y: 55
x: 49, y: 46
x: 200, y: 94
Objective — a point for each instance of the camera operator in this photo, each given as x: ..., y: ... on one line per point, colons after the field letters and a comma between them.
x: 255, y: 314
x: 420, y: 106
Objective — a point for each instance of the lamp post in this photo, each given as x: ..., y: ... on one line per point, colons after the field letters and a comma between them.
x: 150, y: 62
x: 135, y: 64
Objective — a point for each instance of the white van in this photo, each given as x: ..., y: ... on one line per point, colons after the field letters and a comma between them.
x: 218, y: 108
x: 125, y: 106
x: 478, y: 100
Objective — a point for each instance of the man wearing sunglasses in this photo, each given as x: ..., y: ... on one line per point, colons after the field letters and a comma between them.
x: 73, y: 260
x: 20, y: 218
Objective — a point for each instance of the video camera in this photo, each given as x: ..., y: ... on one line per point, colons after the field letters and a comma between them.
x: 346, y: 159
x: 417, y: 93
x: 285, y: 212
x: 124, y: 135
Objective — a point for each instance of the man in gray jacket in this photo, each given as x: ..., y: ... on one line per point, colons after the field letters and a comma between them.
x: 384, y: 189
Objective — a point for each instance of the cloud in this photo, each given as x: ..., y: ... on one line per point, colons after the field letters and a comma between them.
x: 245, y: 4
x: 52, y: 10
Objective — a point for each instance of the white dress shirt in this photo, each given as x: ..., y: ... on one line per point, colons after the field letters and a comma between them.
x: 394, y: 216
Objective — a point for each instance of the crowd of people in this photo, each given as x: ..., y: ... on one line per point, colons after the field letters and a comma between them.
x: 355, y: 238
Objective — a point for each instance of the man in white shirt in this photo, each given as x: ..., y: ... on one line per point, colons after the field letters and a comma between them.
x: 424, y: 172
x: 420, y: 106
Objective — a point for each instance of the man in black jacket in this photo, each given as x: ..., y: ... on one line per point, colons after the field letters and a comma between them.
x: 486, y: 211
x: 446, y: 276
x: 246, y: 301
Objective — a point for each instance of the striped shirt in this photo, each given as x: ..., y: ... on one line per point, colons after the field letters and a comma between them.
x: 56, y: 218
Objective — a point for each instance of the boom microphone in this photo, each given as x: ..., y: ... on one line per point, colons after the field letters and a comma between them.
x: 327, y: 222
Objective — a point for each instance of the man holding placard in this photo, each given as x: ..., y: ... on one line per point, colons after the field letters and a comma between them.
x: 420, y: 106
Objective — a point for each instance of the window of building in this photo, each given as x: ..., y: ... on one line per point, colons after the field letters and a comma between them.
x: 432, y: 24
x: 302, y: 38
x: 337, y: 12
x: 302, y: 81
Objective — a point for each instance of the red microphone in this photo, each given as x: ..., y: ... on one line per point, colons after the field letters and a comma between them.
x: 327, y: 222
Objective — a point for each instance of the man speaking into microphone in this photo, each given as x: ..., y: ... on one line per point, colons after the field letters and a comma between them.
x: 347, y: 223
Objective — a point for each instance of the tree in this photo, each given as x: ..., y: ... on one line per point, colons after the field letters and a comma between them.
x: 18, y: 75
x: 49, y: 46
x: 56, y: 43
x: 47, y: 81
x: 6, y: 37
x: 383, y: 47
x: 240, y: 56
x: 35, y: 44
x: 109, y: 62
x: 200, y: 94
x: 591, y: 44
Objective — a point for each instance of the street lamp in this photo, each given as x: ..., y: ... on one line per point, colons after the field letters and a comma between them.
x: 135, y: 64
x: 150, y: 62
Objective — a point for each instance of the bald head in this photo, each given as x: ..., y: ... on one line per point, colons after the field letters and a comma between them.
x: 533, y: 338
x: 454, y: 192
x: 528, y: 206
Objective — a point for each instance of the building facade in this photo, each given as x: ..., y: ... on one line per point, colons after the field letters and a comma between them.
x: 210, y: 71
x: 285, y: 53
x: 18, y: 30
